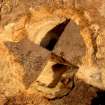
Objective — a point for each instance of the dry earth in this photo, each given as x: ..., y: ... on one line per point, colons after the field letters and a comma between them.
x: 24, y: 53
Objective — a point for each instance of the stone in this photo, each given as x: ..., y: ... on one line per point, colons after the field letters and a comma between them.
x: 71, y: 44
x: 20, y: 65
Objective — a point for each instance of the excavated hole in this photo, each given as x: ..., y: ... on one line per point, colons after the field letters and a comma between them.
x: 99, y: 99
x: 53, y: 35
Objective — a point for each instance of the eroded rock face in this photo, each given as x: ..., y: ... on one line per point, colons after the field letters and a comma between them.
x: 37, y: 18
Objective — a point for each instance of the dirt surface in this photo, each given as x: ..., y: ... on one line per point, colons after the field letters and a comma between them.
x: 82, y: 94
x: 21, y: 62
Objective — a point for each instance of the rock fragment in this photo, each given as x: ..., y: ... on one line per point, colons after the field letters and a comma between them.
x: 71, y: 44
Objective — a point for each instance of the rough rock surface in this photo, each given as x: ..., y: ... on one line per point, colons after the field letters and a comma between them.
x: 71, y: 44
x: 22, y: 23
